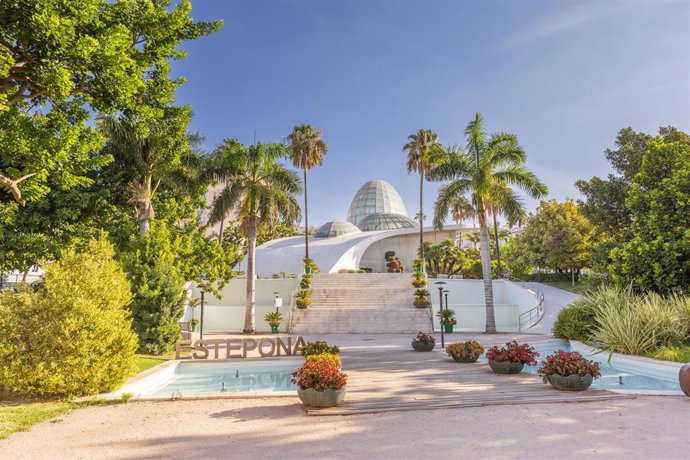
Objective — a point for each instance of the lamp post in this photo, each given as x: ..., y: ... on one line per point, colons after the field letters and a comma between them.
x: 202, y: 287
x: 441, y: 284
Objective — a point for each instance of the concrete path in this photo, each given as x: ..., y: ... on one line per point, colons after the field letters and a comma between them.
x: 554, y: 301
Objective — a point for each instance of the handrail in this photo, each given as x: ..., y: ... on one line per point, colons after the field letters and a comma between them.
x: 532, y: 316
x: 293, y: 305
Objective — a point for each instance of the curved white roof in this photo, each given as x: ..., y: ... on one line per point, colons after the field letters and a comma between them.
x: 375, y: 197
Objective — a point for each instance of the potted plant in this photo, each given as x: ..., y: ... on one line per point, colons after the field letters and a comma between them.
x: 193, y: 304
x: 303, y: 298
x: 423, y: 342
x: 447, y: 318
x: 511, y: 358
x: 419, y: 280
x: 418, y: 265
x: 569, y: 371
x: 194, y: 323
x: 320, y: 384
x: 274, y: 318
x: 319, y: 347
x: 465, y: 352
x: 305, y: 282
x: 309, y: 266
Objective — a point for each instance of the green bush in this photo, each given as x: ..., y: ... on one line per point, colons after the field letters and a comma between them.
x: 158, y: 289
x: 73, y: 335
x: 575, y: 322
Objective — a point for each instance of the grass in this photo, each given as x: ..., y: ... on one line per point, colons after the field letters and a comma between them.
x: 579, y: 288
x: 21, y: 414
x: 679, y: 354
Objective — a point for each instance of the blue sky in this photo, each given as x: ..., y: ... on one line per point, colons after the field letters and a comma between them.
x: 564, y: 76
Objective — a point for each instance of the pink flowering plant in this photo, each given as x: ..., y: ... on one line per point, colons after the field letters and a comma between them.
x: 319, y: 375
x: 424, y: 338
x: 513, y: 352
x: 565, y: 363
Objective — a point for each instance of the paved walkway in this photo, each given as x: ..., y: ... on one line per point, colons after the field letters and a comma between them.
x: 554, y: 301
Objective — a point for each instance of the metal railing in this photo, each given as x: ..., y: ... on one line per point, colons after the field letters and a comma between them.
x: 532, y: 316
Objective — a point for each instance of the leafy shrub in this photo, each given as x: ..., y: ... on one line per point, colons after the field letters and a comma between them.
x: 447, y: 317
x: 513, y: 352
x: 319, y: 348
x: 421, y: 302
x: 421, y: 292
x: 273, y: 318
x: 305, y: 282
x: 302, y: 298
x: 329, y: 358
x: 73, y: 335
x: 566, y: 363
x: 158, y: 288
x: 468, y: 350
x: 320, y: 376
x: 575, y: 322
x: 424, y: 338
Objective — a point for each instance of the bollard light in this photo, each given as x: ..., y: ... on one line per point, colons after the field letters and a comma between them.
x: 441, y: 284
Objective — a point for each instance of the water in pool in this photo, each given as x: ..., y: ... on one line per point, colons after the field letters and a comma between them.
x: 229, y: 377
x: 611, y: 378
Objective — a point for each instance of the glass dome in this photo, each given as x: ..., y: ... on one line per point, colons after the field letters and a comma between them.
x: 386, y: 221
x: 375, y: 197
x: 336, y: 228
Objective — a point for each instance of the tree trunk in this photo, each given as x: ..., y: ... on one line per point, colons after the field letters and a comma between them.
x: 13, y: 187
x: 498, y: 249
x: 485, y: 253
x: 421, y: 214
x: 306, y: 218
x: 572, y: 271
x: 144, y: 226
x: 250, y: 312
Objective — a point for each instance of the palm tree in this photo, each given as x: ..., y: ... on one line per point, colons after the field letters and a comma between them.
x: 262, y: 191
x: 487, y: 170
x: 422, y: 150
x: 306, y: 150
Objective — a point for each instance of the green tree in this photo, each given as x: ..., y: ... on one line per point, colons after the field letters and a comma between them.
x: 487, y: 170
x: 262, y: 191
x: 59, y: 58
x: 422, y: 150
x: 306, y: 150
x: 557, y: 237
x: 73, y: 335
x: 657, y: 256
x: 445, y: 258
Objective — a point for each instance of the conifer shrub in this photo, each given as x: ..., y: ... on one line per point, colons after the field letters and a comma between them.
x: 72, y: 336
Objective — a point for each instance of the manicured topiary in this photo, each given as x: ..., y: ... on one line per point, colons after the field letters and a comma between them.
x: 73, y: 335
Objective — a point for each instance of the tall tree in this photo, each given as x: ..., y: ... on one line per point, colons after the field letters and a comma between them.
x: 62, y: 60
x: 486, y: 170
x: 262, y: 191
x: 422, y: 149
x: 306, y: 150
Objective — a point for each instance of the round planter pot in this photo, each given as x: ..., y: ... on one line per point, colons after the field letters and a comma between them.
x: 448, y: 328
x: 684, y: 379
x: 307, y: 270
x: 275, y: 329
x: 195, y: 328
x: 419, y: 346
x: 418, y: 269
x: 464, y: 359
x: 506, y: 367
x: 571, y: 382
x: 326, y: 398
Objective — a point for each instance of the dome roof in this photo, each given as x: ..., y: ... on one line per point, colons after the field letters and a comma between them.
x: 386, y: 221
x: 376, y: 196
x: 336, y: 228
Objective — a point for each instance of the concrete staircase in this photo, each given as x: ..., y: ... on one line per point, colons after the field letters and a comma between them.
x: 361, y: 303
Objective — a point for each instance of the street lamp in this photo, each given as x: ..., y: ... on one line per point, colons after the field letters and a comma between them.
x: 441, y: 284
x: 202, y: 287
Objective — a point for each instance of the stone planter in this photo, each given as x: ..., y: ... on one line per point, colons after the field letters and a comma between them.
x: 326, y: 398
x: 571, y: 382
x: 684, y: 379
x: 506, y: 367
x: 419, y: 346
x: 464, y: 359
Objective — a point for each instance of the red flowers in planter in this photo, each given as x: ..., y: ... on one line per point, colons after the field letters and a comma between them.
x: 320, y: 376
x: 513, y: 352
x: 565, y: 363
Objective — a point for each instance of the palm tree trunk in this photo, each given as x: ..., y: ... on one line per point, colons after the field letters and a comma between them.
x: 250, y: 312
x: 498, y: 249
x: 421, y: 214
x: 144, y: 226
x: 306, y: 218
x: 486, y: 273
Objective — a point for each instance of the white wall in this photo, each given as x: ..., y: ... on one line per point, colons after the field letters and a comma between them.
x: 466, y: 297
x: 227, y: 313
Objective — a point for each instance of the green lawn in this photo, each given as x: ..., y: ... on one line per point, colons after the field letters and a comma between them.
x: 579, y: 288
x: 21, y: 415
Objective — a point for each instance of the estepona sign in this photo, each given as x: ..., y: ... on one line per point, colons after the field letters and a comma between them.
x: 269, y: 346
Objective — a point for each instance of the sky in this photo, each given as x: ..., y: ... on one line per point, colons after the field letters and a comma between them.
x: 564, y: 76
